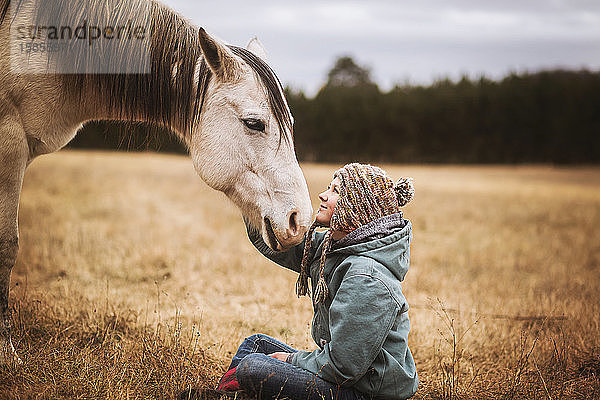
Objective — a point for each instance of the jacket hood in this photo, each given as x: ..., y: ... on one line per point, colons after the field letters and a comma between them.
x: 385, y: 240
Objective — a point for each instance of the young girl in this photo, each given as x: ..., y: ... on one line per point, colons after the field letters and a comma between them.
x: 360, y: 322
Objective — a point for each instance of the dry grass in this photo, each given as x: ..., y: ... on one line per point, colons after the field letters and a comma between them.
x: 135, y: 280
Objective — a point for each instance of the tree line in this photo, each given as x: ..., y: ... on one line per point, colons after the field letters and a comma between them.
x: 548, y: 116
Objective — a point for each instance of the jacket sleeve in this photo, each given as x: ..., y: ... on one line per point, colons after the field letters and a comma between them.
x: 360, y: 318
x: 290, y: 259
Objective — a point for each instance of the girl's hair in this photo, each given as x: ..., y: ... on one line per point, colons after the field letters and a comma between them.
x: 366, y: 194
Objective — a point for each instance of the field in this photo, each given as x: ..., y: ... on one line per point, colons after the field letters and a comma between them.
x: 136, y: 280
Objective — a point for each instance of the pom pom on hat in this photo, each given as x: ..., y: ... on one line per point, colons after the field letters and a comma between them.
x: 405, y: 190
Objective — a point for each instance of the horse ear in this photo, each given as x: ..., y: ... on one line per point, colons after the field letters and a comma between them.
x: 219, y: 58
x: 256, y: 47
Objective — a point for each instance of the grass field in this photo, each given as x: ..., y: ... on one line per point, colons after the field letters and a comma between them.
x: 135, y: 280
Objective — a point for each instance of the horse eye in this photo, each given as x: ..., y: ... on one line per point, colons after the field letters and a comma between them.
x: 254, y: 124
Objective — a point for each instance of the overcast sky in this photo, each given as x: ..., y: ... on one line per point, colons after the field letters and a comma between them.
x: 416, y: 41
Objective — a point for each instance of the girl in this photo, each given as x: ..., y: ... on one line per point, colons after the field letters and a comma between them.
x: 360, y: 322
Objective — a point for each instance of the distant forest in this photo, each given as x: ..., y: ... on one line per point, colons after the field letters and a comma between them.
x: 542, y: 117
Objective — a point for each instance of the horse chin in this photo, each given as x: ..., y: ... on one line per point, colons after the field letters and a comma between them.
x: 271, y: 238
x: 266, y: 231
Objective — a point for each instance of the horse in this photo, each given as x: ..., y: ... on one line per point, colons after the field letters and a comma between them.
x: 66, y: 62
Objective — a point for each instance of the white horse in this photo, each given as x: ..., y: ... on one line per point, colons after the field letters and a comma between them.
x: 224, y: 102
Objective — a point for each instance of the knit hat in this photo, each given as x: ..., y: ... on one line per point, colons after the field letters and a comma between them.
x: 367, y: 193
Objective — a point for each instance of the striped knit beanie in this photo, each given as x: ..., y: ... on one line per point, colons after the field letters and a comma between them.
x: 366, y: 194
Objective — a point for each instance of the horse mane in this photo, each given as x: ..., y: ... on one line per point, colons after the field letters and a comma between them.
x: 3, y: 9
x: 172, y: 91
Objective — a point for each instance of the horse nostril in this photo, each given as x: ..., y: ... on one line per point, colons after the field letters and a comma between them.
x: 293, y: 223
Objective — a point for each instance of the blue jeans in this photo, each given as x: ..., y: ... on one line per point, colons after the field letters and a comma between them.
x: 268, y: 378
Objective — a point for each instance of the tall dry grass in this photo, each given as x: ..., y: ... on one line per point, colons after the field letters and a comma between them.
x: 135, y: 280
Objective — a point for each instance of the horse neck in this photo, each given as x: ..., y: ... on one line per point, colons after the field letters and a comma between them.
x: 169, y: 93
x: 141, y: 98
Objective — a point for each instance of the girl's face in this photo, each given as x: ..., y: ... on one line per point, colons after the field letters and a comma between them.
x: 329, y: 199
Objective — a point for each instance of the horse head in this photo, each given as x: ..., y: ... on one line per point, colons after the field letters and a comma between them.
x: 242, y: 143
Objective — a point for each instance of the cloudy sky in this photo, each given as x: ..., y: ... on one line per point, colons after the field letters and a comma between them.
x: 400, y: 41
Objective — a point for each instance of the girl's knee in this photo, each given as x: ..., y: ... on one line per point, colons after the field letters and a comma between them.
x: 256, y: 337
x: 252, y: 367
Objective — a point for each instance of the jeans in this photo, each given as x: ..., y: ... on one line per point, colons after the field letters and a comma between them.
x: 268, y: 378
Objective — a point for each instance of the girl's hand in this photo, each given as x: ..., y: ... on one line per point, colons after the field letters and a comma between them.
x: 281, y: 356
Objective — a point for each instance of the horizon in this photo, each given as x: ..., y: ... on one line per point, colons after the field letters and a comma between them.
x: 409, y: 43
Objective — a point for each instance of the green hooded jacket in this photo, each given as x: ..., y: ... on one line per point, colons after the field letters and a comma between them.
x: 362, y: 327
